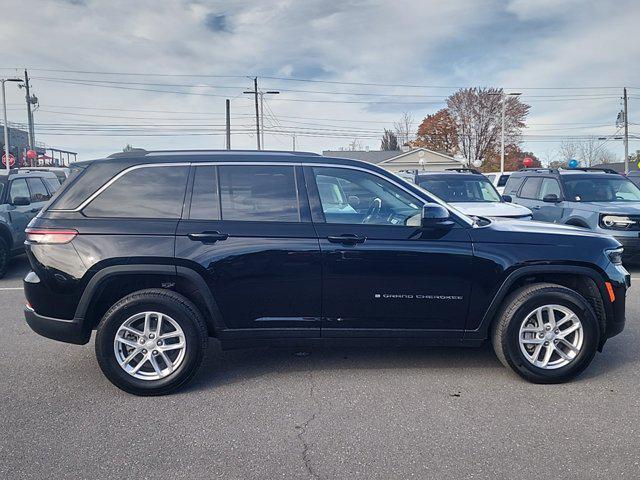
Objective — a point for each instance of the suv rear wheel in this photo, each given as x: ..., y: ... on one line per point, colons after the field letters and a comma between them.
x: 151, y: 342
x: 546, y: 333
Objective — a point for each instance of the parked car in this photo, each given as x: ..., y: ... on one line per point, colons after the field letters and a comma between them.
x: 601, y: 200
x: 160, y: 250
x: 61, y: 172
x: 634, y: 176
x: 22, y: 195
x: 498, y: 179
x: 469, y: 191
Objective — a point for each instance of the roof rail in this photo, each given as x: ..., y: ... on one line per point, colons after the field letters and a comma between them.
x: 595, y: 169
x: 463, y: 170
x: 539, y: 169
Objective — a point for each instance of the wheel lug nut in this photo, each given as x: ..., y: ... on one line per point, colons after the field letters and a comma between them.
x: 555, y: 341
x: 556, y: 331
x: 546, y: 344
x: 159, y: 343
x: 541, y: 335
x: 141, y: 340
x: 155, y: 353
x: 548, y: 327
x: 144, y: 352
x: 151, y: 335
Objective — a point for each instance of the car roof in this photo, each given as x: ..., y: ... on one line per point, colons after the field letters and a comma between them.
x: 452, y: 175
x: 26, y: 173
x: 563, y: 172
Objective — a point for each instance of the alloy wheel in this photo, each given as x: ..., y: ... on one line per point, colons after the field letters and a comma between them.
x: 551, y: 336
x: 150, y: 345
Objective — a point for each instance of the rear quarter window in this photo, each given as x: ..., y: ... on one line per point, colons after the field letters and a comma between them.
x: 145, y: 192
x: 512, y: 185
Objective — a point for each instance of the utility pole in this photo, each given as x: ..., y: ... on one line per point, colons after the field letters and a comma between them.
x: 293, y: 136
x: 32, y: 135
x: 254, y: 92
x: 626, y: 134
x: 6, y: 124
x: 228, y: 111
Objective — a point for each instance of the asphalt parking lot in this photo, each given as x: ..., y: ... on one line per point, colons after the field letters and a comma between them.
x: 340, y: 413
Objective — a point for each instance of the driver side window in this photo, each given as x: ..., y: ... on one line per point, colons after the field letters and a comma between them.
x: 357, y: 197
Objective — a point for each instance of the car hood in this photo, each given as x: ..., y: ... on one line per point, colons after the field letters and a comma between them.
x: 539, y: 233
x: 492, y: 209
x: 631, y: 208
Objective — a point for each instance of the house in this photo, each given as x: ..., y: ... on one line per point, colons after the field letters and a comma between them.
x: 396, y: 160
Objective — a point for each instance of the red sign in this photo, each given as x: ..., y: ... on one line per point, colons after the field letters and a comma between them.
x: 12, y: 160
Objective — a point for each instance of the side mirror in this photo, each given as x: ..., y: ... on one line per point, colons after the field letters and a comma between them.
x: 551, y: 198
x: 507, y: 198
x: 435, y: 215
x: 21, y: 201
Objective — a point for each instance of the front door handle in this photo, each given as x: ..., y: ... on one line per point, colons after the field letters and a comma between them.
x: 208, y: 237
x: 346, y: 239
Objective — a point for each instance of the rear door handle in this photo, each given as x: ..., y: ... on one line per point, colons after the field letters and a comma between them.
x: 346, y: 239
x: 208, y: 237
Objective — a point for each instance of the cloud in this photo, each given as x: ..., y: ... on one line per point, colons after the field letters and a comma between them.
x: 521, y: 43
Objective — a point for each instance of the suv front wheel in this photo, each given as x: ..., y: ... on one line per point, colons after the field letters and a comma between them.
x: 546, y: 333
x: 151, y: 342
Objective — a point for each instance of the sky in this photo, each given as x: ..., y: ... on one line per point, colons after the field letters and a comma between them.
x: 155, y: 73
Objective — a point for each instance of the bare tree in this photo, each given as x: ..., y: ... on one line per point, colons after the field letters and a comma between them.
x: 589, y: 152
x: 355, y: 145
x: 404, y: 128
x: 477, y: 112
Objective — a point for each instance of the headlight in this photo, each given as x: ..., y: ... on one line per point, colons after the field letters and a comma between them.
x: 619, y: 222
x: 615, y: 255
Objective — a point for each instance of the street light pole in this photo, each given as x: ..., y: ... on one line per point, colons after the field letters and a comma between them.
x: 5, y: 123
x: 262, y: 94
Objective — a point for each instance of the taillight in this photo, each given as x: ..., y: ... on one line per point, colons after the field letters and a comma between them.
x: 48, y: 236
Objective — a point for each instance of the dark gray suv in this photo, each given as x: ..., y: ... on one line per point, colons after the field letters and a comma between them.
x: 22, y: 194
x: 601, y: 200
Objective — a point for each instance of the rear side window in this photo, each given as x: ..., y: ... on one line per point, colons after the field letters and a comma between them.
x: 19, y: 189
x: 502, y: 181
x: 550, y: 186
x: 53, y: 184
x: 530, y: 188
x: 39, y: 192
x: 147, y: 192
x: 258, y: 193
x: 205, y: 203
x: 513, y: 184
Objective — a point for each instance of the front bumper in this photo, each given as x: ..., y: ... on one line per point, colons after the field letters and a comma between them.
x: 620, y: 281
x: 69, y: 331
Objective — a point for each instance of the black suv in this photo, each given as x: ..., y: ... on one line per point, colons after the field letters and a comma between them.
x: 160, y: 250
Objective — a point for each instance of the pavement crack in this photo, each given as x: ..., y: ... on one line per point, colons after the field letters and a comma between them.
x: 302, y: 429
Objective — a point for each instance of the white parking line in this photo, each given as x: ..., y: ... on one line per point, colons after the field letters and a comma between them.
x: 10, y: 288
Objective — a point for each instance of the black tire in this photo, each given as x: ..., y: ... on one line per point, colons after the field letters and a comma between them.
x: 4, y: 257
x: 506, y: 330
x: 167, y: 302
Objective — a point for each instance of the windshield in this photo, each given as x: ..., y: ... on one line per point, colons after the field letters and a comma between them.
x: 461, y: 189
x: 601, y: 189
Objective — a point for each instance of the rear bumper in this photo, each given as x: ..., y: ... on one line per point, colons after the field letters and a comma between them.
x: 69, y: 331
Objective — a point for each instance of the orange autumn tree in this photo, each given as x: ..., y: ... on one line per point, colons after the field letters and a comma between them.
x: 438, y: 132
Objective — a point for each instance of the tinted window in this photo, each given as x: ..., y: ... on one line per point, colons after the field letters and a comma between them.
x: 53, y: 184
x: 205, y: 204
x: 502, y: 181
x: 550, y: 186
x: 19, y: 189
x: 258, y: 193
x: 38, y: 190
x: 530, y: 187
x: 513, y: 183
x: 491, y: 177
x: 148, y: 192
x: 353, y: 196
x: 601, y: 189
x: 461, y: 189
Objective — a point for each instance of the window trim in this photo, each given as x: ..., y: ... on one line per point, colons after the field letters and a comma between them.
x: 454, y: 213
